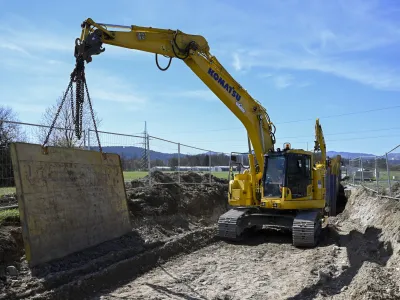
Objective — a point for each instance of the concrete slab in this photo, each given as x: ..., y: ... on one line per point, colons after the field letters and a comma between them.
x: 69, y: 199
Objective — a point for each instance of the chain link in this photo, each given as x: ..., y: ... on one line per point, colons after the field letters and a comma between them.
x: 58, y: 112
x: 78, y: 76
x: 93, y: 118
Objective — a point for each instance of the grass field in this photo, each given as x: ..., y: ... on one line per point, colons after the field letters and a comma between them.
x: 9, y: 215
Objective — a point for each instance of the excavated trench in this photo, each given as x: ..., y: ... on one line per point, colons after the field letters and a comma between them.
x: 172, y: 253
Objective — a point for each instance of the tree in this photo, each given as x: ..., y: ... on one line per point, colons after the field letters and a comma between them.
x: 157, y: 163
x: 206, y: 160
x: 63, y: 134
x: 173, y: 163
x: 9, y: 132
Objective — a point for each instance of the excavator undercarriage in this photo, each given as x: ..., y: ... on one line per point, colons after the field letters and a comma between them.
x: 304, y: 225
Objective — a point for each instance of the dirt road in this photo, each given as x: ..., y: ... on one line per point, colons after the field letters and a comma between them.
x: 261, y: 269
x: 353, y: 261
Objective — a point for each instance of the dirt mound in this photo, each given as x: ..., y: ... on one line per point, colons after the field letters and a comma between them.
x: 369, y: 231
x: 158, y: 177
x: 11, y: 245
x: 396, y: 190
x: 166, y: 208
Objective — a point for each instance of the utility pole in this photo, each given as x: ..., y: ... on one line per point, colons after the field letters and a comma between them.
x: 143, y: 163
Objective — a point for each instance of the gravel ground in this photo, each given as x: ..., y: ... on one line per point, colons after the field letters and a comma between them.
x: 357, y: 259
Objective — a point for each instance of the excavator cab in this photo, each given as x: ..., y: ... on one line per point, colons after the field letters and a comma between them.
x: 287, y: 175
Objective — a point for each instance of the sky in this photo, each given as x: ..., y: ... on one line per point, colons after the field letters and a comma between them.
x: 334, y: 60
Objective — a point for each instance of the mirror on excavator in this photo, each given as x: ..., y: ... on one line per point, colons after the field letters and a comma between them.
x: 236, y: 163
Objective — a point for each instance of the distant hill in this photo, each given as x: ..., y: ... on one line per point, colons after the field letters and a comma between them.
x: 137, y: 152
x: 351, y: 155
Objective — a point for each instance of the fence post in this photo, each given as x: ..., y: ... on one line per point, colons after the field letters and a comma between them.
x: 362, y: 171
x: 88, y: 139
x: 376, y: 176
x: 179, y: 162
x: 388, y: 174
x: 84, y: 139
x: 148, y: 157
x: 209, y: 163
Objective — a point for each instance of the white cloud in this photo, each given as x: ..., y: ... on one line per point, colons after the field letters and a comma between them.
x: 236, y: 62
x: 28, y: 107
x: 283, y: 81
x: 338, y: 38
x: 115, y: 96
x: 31, y: 38
x: 204, y: 95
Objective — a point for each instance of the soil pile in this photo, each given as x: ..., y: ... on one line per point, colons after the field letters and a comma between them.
x: 396, y: 190
x: 369, y: 231
x: 166, y: 207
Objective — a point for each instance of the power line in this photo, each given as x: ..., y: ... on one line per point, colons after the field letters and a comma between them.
x: 297, y: 121
x: 339, y: 140
x: 344, y: 114
x: 309, y: 136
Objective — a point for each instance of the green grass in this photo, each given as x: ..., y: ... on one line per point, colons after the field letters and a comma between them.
x: 9, y: 216
x: 131, y: 175
x: 384, y: 176
x: 7, y: 190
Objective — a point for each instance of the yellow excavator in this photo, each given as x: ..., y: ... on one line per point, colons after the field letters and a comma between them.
x: 282, y: 188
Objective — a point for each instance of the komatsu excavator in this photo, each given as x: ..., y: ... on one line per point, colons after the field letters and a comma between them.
x: 283, y: 188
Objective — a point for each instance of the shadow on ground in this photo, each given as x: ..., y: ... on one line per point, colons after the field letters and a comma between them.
x: 361, y: 247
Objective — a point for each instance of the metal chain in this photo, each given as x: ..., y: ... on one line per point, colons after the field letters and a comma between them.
x: 91, y: 111
x: 78, y: 76
x: 58, y: 112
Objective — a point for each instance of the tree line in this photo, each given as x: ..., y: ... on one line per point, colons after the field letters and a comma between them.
x: 201, y: 160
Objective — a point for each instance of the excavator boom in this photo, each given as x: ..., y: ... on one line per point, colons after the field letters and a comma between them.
x: 195, y: 53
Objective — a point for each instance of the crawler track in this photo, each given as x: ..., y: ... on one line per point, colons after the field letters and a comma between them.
x: 229, y: 224
x: 306, y: 229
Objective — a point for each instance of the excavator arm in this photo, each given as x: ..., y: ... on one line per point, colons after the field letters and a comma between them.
x: 195, y: 53
x: 320, y: 144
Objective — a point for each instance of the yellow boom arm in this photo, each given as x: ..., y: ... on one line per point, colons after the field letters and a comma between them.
x: 194, y: 51
x: 320, y: 144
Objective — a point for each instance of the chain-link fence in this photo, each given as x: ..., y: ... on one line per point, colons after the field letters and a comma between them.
x: 29, y: 133
x: 378, y: 173
x: 140, y: 154
x: 176, y: 160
